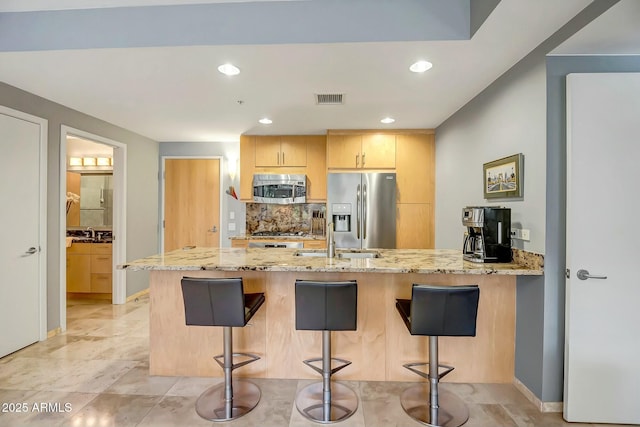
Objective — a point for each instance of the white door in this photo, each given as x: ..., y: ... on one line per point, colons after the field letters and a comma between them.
x: 20, y: 254
x: 602, y: 341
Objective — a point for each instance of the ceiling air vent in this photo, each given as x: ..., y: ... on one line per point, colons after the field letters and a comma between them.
x: 329, y: 98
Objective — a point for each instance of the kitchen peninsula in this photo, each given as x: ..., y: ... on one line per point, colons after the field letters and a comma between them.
x: 381, y: 343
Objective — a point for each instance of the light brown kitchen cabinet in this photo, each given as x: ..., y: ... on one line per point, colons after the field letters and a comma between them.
x: 415, y: 167
x: 89, y: 268
x: 239, y: 243
x: 414, y: 226
x: 280, y: 151
x: 361, y: 150
x: 315, y: 244
x: 316, y: 168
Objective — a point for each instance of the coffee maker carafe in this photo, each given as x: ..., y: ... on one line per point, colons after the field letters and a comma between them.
x: 488, y: 235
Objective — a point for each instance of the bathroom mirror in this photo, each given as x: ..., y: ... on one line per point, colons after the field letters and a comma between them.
x: 95, y: 191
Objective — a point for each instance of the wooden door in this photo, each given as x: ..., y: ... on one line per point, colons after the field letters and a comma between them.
x: 343, y: 151
x: 268, y: 151
x: 378, y: 151
x: 293, y: 151
x: 191, y: 203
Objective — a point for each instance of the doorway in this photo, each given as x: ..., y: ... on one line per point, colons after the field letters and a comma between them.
x: 111, y: 208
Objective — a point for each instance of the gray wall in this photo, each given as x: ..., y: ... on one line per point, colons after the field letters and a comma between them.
x: 142, y: 182
x: 228, y: 150
x: 515, y: 114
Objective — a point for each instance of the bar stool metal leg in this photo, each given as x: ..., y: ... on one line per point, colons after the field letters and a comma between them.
x: 233, y: 398
x: 428, y: 404
x: 326, y: 402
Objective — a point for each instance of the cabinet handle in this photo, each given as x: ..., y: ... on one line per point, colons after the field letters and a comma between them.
x: 283, y: 158
x: 278, y: 158
x: 363, y: 154
x: 357, y: 159
x: 102, y: 258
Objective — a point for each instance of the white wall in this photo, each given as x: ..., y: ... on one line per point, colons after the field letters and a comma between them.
x: 507, y: 118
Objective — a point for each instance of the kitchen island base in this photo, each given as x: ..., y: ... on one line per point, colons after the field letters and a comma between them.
x: 378, y: 348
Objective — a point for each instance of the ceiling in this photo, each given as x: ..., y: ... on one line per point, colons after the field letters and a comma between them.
x: 174, y: 93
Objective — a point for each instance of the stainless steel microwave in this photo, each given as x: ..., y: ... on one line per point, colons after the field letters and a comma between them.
x: 280, y: 189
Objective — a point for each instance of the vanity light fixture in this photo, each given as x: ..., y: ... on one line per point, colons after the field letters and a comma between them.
x: 265, y: 121
x: 420, y: 66
x: 387, y: 120
x: 75, y: 161
x: 229, y: 69
x: 89, y: 161
x: 103, y: 161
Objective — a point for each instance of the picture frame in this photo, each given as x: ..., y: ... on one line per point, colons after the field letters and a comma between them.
x: 503, y: 178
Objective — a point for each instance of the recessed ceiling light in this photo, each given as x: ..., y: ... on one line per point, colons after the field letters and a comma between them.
x: 229, y: 69
x: 420, y: 66
x: 265, y: 121
x: 387, y: 120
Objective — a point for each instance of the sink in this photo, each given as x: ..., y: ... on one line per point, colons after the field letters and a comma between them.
x: 358, y: 254
x: 311, y: 252
x: 339, y: 254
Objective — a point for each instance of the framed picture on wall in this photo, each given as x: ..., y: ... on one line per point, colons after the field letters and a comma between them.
x: 503, y: 177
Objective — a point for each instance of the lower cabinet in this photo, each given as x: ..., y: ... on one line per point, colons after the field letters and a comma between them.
x: 307, y: 244
x: 89, y: 268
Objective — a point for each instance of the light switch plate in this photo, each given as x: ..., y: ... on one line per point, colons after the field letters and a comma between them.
x: 232, y: 226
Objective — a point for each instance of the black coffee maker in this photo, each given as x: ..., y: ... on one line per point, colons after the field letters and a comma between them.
x: 488, y: 235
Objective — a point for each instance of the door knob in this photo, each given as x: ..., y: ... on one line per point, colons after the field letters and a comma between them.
x: 31, y: 251
x: 584, y: 275
x: 213, y: 229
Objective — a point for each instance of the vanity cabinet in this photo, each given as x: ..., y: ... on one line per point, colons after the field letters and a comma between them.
x: 89, y: 268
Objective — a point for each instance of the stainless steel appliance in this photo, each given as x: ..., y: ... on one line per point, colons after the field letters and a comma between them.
x: 283, y: 189
x: 488, y: 235
x: 362, y: 208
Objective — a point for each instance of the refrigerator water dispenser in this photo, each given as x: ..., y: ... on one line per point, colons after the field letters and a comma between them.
x: 341, y: 216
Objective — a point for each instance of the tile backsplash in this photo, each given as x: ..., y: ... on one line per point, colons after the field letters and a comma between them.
x: 283, y: 218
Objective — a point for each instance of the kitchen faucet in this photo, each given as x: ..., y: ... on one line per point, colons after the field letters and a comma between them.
x: 93, y: 232
x: 331, y: 241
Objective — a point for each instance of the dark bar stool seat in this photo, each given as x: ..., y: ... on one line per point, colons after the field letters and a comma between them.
x: 326, y: 306
x: 222, y: 302
x: 436, y: 311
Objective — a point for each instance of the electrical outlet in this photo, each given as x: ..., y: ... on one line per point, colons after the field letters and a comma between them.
x: 515, y: 233
x: 232, y: 226
x: 525, y: 234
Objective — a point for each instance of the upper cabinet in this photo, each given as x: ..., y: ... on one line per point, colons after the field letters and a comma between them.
x: 354, y: 150
x: 280, y: 151
x: 284, y: 154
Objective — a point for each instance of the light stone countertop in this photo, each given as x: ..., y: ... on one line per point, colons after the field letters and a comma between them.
x: 425, y: 261
x: 282, y: 238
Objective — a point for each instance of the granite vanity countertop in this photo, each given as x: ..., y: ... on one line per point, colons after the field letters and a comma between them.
x: 425, y: 261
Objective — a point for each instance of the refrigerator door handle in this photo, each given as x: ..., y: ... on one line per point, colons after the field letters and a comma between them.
x: 358, y: 206
x: 364, y: 211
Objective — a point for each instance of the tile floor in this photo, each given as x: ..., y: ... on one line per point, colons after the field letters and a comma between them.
x: 96, y: 375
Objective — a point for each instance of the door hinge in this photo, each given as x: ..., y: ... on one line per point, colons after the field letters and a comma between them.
x: 163, y: 225
x: 567, y: 273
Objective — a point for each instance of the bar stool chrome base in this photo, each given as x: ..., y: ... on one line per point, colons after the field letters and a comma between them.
x: 343, y: 403
x: 451, y: 410
x: 211, y: 404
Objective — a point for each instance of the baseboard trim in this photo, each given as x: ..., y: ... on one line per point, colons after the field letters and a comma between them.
x: 137, y: 295
x: 54, y: 332
x: 542, y: 406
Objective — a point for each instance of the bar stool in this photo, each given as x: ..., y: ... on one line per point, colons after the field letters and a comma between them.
x: 222, y: 302
x: 437, y: 311
x: 326, y: 306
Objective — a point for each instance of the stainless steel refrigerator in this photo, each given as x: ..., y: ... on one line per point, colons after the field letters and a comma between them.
x: 362, y: 207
